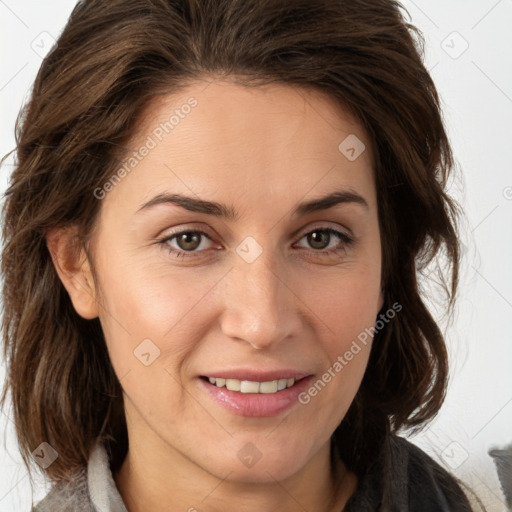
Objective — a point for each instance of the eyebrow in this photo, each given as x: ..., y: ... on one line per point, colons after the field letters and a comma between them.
x: 227, y: 212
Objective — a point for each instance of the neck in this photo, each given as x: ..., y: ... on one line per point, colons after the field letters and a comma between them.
x: 160, y: 478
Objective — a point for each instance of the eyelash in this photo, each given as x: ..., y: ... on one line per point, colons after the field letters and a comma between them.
x: 346, y: 242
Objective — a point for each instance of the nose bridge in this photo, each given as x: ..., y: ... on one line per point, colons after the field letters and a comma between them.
x: 259, y: 307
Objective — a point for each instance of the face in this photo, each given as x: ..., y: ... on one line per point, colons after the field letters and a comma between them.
x: 256, y: 287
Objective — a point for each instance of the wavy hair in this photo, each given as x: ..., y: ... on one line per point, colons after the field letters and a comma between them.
x: 112, y: 58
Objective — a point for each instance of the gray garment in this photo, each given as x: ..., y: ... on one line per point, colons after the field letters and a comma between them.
x: 418, y: 484
x: 94, y: 491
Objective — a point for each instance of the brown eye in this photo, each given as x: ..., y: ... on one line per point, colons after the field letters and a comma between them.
x: 319, y: 239
x: 188, y: 241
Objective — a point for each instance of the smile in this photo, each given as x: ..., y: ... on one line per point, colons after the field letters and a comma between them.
x: 256, y: 398
x: 247, y: 386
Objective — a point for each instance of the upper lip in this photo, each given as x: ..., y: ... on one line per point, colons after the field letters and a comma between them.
x: 257, y: 376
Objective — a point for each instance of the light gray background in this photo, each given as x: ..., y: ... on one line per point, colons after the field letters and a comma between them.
x: 469, y: 53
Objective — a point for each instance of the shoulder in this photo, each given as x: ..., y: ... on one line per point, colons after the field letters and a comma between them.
x: 430, y: 487
x: 92, y: 490
x: 404, y: 478
x: 72, y: 496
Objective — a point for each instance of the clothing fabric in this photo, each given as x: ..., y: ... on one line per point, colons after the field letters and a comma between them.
x: 419, y: 484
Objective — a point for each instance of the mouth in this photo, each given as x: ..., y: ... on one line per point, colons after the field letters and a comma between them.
x: 252, y: 386
x: 255, y: 395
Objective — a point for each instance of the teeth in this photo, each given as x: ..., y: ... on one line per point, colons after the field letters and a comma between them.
x: 233, y: 384
x: 268, y: 387
x: 247, y: 386
x: 281, y: 384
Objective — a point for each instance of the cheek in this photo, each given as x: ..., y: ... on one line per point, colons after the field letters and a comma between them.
x: 346, y: 305
x: 151, y: 324
x: 346, y: 309
x: 170, y: 309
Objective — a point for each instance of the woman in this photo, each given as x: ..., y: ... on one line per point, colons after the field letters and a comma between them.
x: 222, y: 208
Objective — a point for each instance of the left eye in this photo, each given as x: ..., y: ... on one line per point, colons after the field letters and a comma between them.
x: 320, y: 235
x: 190, y: 242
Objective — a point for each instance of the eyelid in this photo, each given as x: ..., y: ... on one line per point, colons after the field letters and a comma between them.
x: 327, y: 227
x: 187, y: 229
x: 323, y: 227
x: 173, y: 235
x: 346, y: 240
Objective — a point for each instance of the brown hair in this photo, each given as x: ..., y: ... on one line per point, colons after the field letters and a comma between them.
x: 112, y: 58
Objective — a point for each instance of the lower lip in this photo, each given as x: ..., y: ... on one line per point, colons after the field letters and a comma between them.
x: 256, y: 404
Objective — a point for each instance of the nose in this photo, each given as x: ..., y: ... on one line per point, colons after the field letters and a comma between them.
x: 260, y: 306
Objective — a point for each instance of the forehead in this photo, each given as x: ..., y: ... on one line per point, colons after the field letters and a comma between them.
x: 218, y: 135
x: 222, y: 107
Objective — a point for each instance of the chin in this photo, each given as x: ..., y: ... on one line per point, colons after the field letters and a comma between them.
x: 260, y: 473
x: 252, y: 466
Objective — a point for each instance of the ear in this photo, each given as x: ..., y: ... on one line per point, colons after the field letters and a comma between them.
x: 73, y: 267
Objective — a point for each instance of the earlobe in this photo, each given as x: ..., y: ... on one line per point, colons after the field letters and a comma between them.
x: 73, y: 268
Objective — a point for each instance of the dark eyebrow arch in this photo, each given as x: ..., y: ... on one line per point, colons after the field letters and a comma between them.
x: 219, y: 210
x: 326, y: 202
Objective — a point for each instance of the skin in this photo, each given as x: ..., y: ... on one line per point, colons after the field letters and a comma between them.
x: 261, y: 151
